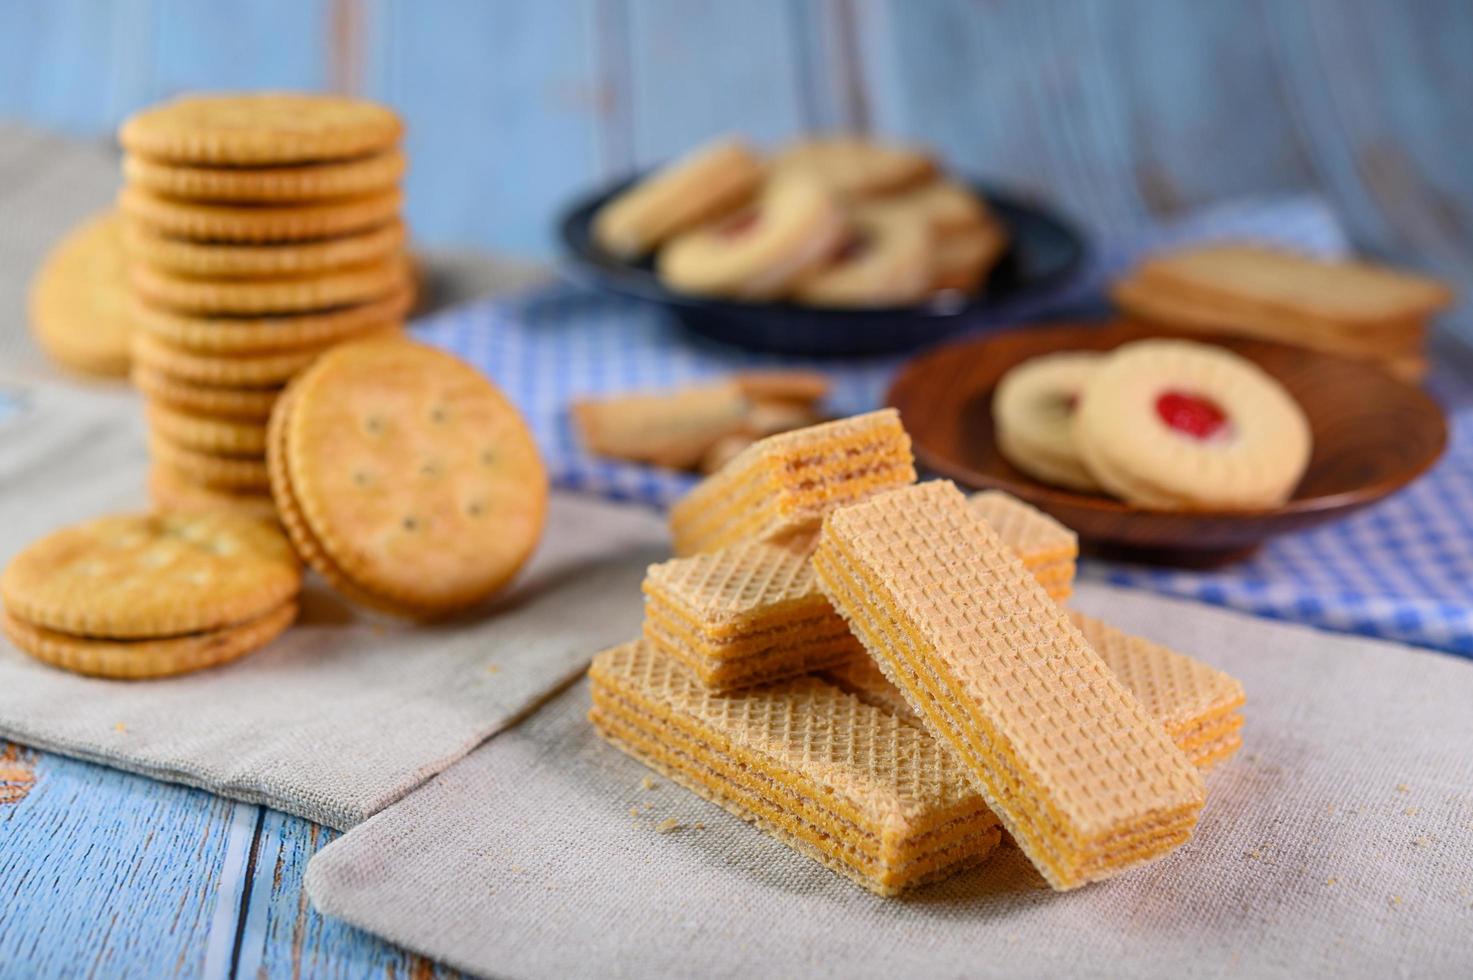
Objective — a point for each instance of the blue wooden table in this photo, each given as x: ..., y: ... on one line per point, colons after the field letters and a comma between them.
x: 1119, y: 111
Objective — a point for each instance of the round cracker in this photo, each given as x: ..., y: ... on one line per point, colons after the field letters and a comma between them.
x: 79, y: 300
x: 418, y: 479
x: 170, y: 491
x: 208, y: 469
x: 140, y: 576
x: 310, y: 182
x: 213, y: 400
x: 257, y: 335
x: 259, y: 223
x: 136, y: 659
x: 208, y: 434
x: 260, y: 128
x: 287, y: 294
x: 247, y: 370
x: 214, y: 260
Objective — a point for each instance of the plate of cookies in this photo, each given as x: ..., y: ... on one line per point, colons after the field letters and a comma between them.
x: 1162, y: 447
x: 835, y: 246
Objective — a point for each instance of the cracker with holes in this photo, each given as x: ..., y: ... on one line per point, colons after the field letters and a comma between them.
x: 151, y: 595
x: 405, y: 478
x: 1173, y: 424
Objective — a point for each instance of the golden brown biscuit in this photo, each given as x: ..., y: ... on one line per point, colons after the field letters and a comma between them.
x: 259, y: 223
x: 79, y: 300
x: 219, y: 260
x: 307, y: 182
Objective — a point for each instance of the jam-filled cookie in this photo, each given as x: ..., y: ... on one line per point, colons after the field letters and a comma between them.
x: 760, y: 252
x: 1175, y: 424
x: 700, y: 187
x: 886, y: 261
x: 1033, y: 415
x: 855, y: 168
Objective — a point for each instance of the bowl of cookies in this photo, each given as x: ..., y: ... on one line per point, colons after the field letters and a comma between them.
x: 832, y: 246
x: 1163, y: 448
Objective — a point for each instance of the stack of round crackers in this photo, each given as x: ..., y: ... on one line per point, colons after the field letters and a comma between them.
x: 261, y: 229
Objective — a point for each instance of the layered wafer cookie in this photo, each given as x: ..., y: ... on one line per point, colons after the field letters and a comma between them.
x: 1196, y: 704
x: 1047, y: 548
x: 866, y: 794
x: 1087, y: 783
x: 753, y: 613
x: 744, y: 615
x: 780, y: 487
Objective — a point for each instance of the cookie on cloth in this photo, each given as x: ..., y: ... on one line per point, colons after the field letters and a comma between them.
x: 405, y: 477
x: 260, y: 129
x: 305, y: 182
x: 673, y: 429
x: 224, y: 260
x: 886, y: 261
x: 279, y: 294
x: 79, y: 300
x: 225, y: 335
x: 1178, y: 425
x: 1033, y: 414
x: 259, y: 223
x: 702, y: 186
x: 855, y: 168
x: 761, y: 252
x: 147, y: 576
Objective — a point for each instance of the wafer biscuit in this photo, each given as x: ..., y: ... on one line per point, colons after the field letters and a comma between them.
x: 1038, y: 539
x: 867, y: 795
x: 138, y: 659
x: 259, y: 223
x: 259, y: 129
x: 258, y: 335
x: 1195, y: 704
x: 305, y: 182
x: 781, y: 486
x: 222, y: 260
x: 284, y: 294
x: 151, y: 575
x: 748, y: 614
x: 1084, y: 780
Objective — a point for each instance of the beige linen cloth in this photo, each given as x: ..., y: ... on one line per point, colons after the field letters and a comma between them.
x: 345, y: 713
x: 1338, y: 842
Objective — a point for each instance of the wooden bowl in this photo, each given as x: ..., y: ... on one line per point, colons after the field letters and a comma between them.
x: 1372, y: 436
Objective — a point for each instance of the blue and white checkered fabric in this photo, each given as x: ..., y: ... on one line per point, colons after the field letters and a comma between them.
x: 1400, y: 570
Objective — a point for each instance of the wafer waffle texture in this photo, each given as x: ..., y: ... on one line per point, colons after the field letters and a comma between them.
x: 1087, y: 783
x: 866, y: 794
x: 1196, y: 704
x: 779, y: 488
x: 753, y: 612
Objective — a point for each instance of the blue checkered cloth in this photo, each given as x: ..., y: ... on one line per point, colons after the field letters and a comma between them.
x: 1401, y: 570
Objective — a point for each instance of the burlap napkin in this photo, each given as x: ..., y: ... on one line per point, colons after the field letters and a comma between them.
x: 1340, y: 841
x: 345, y: 713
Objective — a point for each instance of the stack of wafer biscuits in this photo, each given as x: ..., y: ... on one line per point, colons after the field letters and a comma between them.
x: 261, y: 229
x: 778, y: 489
x: 753, y: 613
x: 864, y: 793
x: 1085, y: 781
x: 1355, y: 309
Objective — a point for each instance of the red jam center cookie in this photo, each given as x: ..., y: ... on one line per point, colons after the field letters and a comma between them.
x: 1191, y: 415
x: 741, y: 224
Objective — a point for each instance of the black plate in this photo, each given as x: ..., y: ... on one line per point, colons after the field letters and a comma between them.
x: 1043, y: 250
